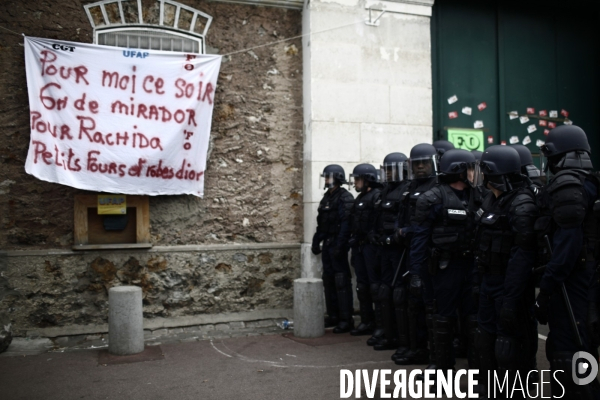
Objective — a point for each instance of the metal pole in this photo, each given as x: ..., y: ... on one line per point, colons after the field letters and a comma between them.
x: 567, y: 302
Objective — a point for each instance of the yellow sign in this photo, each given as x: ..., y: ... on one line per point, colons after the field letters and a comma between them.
x: 468, y: 139
x: 112, y: 204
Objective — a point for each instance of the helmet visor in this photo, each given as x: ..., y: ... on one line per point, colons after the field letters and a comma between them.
x: 475, y: 175
x: 392, y: 172
x: 422, y: 167
x: 327, y: 180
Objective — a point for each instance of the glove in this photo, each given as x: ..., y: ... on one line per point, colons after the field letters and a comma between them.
x: 542, y: 305
x: 416, y: 285
x: 398, y: 236
x: 372, y: 238
x: 316, y: 250
x: 509, y: 321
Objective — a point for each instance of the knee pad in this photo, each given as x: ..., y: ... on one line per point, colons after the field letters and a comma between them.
x: 510, y: 353
x: 385, y: 292
x: 341, y: 281
x: 400, y: 296
x: 484, y: 340
x: 328, y: 280
x: 374, y: 289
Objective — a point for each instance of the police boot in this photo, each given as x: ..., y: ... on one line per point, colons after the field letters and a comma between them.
x: 367, y: 324
x: 485, y: 344
x: 563, y: 361
x: 429, y: 309
x: 331, y: 303
x: 444, y: 342
x: 390, y: 337
x: 511, y: 356
x: 343, y: 286
x: 461, y: 340
x: 378, y: 332
x: 416, y: 353
x: 400, y: 296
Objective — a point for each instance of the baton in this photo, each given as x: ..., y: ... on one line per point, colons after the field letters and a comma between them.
x: 567, y: 302
x: 398, y: 269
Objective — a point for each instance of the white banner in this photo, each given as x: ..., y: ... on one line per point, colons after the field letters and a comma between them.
x: 119, y: 120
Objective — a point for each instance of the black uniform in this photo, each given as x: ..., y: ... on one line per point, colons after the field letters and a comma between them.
x: 506, y: 248
x: 442, y: 238
x: 364, y: 253
x: 333, y: 229
x: 391, y: 251
x: 420, y: 300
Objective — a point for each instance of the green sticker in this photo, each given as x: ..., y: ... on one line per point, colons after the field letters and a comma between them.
x: 468, y: 139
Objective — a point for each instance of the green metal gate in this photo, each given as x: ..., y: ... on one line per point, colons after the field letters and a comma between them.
x: 519, y: 62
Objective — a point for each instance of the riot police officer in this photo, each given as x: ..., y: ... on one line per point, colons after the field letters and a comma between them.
x: 419, y: 300
x: 506, y: 252
x: 528, y: 169
x: 333, y: 229
x: 393, y: 173
x: 569, y: 227
x: 441, y: 243
x: 364, y: 249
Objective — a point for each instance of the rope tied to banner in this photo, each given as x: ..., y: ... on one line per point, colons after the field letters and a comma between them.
x: 258, y: 46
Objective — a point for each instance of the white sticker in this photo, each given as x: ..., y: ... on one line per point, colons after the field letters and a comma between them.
x: 513, y: 114
x: 568, y: 121
x: 531, y: 128
x: 467, y: 110
x: 524, y: 119
x: 452, y: 99
x: 553, y: 114
x: 540, y: 143
x: 526, y: 140
x: 478, y: 124
x: 513, y: 139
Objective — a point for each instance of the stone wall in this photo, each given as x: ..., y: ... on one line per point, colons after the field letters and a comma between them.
x: 254, y: 172
x: 253, y: 187
x: 42, y: 290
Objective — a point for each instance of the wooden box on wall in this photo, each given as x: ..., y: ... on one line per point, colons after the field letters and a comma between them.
x: 89, y: 232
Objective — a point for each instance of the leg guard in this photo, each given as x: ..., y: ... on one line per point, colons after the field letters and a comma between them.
x: 343, y: 286
x: 563, y: 361
x: 415, y: 354
x: 444, y: 342
x: 485, y: 344
x: 400, y: 297
x: 472, y: 353
x: 429, y: 310
x: 366, y: 311
x: 331, y: 301
x: 378, y: 314
x: 390, y: 339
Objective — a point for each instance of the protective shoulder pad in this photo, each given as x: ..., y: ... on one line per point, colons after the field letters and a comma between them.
x: 567, y: 199
x: 524, y: 212
x: 425, y: 202
x: 347, y: 201
x: 564, y: 178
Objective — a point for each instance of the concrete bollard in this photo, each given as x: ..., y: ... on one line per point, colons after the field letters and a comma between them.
x: 125, y: 320
x: 309, y: 309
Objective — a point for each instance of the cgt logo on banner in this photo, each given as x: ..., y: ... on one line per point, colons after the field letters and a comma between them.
x: 107, y: 122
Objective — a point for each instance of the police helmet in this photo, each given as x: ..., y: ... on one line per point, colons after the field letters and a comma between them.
x: 332, y: 175
x: 454, y: 165
x: 501, y: 167
x: 567, y: 147
x: 367, y: 173
x: 394, y: 168
x: 422, y: 162
x: 442, y: 146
